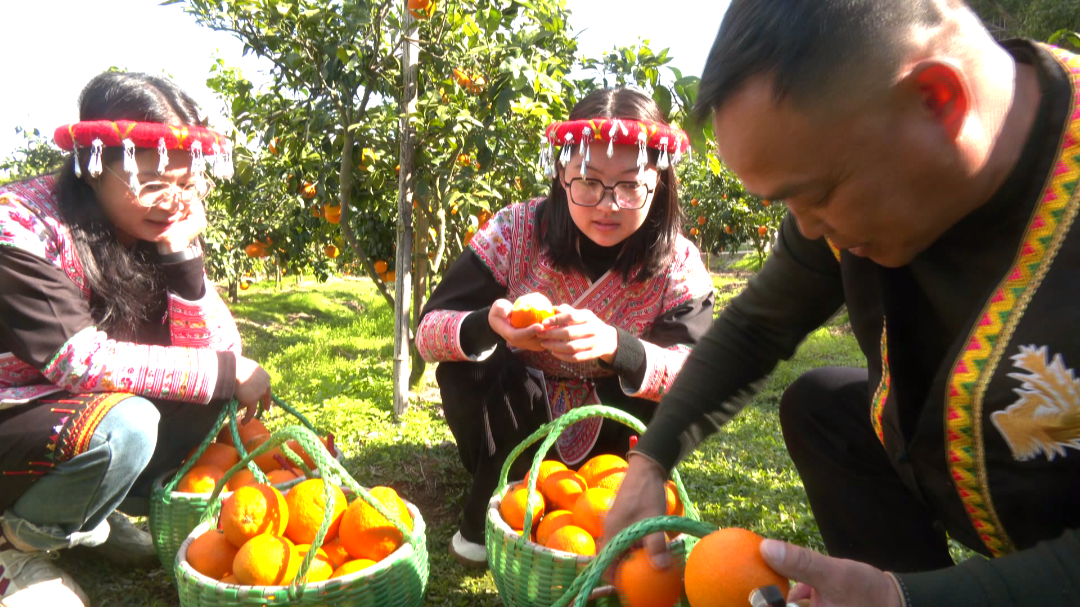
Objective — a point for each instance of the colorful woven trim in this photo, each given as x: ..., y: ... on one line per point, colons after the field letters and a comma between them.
x: 98, y: 134
x: 671, y: 142
x: 882, y: 394
x: 985, y: 346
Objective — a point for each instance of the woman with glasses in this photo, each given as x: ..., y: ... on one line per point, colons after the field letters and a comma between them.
x: 116, y: 352
x: 631, y: 293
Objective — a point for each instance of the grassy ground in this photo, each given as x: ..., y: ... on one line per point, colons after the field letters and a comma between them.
x: 329, y: 350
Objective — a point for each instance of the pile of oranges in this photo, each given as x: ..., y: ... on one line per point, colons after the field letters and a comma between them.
x: 263, y: 536
x: 570, y: 516
x: 222, y: 455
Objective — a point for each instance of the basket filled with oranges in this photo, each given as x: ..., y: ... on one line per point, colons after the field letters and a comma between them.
x: 179, y: 498
x: 724, y: 567
x: 325, y: 541
x: 541, y: 533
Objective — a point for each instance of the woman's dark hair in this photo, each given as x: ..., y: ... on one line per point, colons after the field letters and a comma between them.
x: 119, y: 278
x: 648, y: 251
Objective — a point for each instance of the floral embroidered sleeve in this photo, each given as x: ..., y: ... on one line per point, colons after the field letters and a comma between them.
x: 198, y: 317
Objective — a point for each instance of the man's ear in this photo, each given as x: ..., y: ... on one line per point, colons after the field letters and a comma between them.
x: 941, y: 90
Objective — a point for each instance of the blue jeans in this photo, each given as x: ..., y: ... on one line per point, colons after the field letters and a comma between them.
x: 68, y: 506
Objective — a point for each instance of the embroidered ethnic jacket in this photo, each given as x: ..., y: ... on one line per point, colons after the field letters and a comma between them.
x: 48, y: 340
x: 971, y: 348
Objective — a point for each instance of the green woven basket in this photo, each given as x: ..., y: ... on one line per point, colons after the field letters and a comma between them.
x: 173, y: 514
x: 526, y: 573
x: 584, y: 587
x: 400, y: 579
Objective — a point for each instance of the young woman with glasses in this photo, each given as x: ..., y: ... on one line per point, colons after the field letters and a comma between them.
x: 631, y: 293
x: 116, y: 352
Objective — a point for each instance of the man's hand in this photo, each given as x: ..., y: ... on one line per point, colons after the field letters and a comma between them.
x: 640, y: 496
x: 830, y: 582
x: 574, y: 335
x: 252, y: 387
x: 522, y: 339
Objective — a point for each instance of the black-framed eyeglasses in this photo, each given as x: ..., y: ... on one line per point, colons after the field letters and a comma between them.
x: 154, y: 193
x: 630, y: 195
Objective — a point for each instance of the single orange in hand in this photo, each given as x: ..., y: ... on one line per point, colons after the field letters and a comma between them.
x: 266, y: 560
x: 513, y: 507
x: 530, y: 309
x: 640, y: 584
x: 592, y: 508
x: 562, y: 489
x: 574, y: 540
x: 725, y: 566
x: 200, y: 479
x: 211, y: 554
x: 251, y: 511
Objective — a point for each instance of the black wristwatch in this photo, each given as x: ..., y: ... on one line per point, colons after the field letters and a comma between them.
x: 193, y: 251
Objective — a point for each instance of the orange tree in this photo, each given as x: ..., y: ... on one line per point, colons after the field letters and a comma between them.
x: 720, y: 214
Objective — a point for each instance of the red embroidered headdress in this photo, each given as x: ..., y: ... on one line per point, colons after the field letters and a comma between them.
x: 201, y: 142
x: 671, y: 142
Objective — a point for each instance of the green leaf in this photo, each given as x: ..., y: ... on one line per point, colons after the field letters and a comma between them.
x: 662, y: 97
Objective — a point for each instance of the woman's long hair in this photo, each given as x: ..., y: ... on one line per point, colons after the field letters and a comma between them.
x: 124, y: 285
x: 648, y: 251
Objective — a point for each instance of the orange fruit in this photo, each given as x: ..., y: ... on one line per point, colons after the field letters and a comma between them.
x: 307, y: 505
x: 295, y: 447
x: 332, y: 213
x: 266, y: 560
x: 217, y: 454
x: 574, y: 540
x: 766, y: 202
x: 200, y: 479
x: 246, y: 432
x: 600, y: 466
x: 230, y: 579
x: 380, y: 267
x: 554, y: 520
x: 352, y: 567
x: 273, y: 146
x: 309, y: 190
x: 547, y: 467
x: 367, y: 534
x: 278, y: 477
x: 592, y: 508
x: 211, y: 554
x: 332, y: 251
x: 321, y: 568
x: 530, y: 309
x: 242, y: 478
x: 244, y: 286
x: 390, y: 276
x: 266, y: 462
x: 612, y: 481
x: 727, y: 229
x: 255, y: 249
x: 725, y: 566
x: 513, y: 507
x: 762, y: 230
x: 337, y: 553
x: 251, y: 511
x: 642, y: 585
x: 693, y: 231
x: 421, y: 9
x: 702, y: 221
x: 562, y: 489
x: 694, y: 202
x: 674, y: 504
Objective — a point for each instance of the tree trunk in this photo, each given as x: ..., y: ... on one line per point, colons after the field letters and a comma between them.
x: 403, y: 278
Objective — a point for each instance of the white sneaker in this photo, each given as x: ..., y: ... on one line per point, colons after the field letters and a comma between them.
x: 469, y: 554
x: 127, y: 546
x: 30, y: 579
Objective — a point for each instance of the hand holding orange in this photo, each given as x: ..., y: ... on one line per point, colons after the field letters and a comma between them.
x: 530, y: 309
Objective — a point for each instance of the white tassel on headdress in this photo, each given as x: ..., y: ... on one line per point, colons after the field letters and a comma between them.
x: 198, y: 166
x: 642, y: 154
x: 94, y: 166
x: 217, y: 159
x: 75, y: 151
x: 586, y: 149
x: 163, y: 156
x: 664, y: 161
x: 616, y: 126
x: 676, y: 158
x: 130, y: 166
x: 547, y: 159
x: 567, y: 149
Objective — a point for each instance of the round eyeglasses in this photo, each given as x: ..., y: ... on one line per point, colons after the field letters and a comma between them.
x: 154, y: 193
x: 629, y: 195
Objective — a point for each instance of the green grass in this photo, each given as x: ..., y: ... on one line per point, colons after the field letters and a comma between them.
x: 329, y: 350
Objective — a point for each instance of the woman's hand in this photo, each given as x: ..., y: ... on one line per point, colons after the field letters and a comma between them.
x: 182, y: 233
x: 252, y: 387
x: 578, y: 336
x: 522, y: 339
x: 830, y: 582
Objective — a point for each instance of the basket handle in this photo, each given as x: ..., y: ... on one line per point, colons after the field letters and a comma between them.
x: 551, y: 431
x: 581, y: 590
x: 227, y: 412
x: 333, y: 475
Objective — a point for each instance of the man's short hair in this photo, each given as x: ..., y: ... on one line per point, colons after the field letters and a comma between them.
x: 810, y: 47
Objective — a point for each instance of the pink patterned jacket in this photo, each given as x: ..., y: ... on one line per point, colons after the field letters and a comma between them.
x: 90, y: 361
